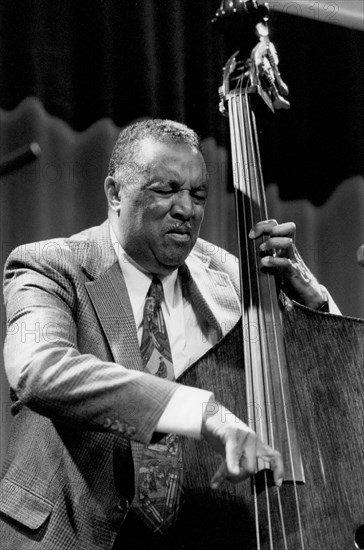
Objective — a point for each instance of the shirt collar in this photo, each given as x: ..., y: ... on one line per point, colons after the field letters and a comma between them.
x: 138, y: 280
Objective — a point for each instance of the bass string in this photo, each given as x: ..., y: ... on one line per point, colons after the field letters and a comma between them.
x: 289, y: 445
x: 247, y: 171
x: 253, y: 183
x: 237, y: 167
x: 258, y: 179
x: 263, y: 214
x: 241, y: 173
x: 250, y: 190
x: 246, y: 282
x: 249, y: 310
x: 255, y: 388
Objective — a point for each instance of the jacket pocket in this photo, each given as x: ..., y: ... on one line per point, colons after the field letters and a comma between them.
x: 22, y: 505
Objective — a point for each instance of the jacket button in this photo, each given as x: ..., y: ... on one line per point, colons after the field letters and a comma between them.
x: 122, y: 506
x: 130, y: 431
x: 107, y: 422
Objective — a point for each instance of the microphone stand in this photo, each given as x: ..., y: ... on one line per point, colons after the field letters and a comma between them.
x: 19, y: 158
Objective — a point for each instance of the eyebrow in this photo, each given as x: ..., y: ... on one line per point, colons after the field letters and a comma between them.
x: 176, y: 184
x: 169, y: 173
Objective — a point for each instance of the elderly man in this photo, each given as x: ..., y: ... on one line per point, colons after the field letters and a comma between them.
x: 99, y: 327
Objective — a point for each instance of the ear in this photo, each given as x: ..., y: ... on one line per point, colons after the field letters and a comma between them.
x: 112, y: 188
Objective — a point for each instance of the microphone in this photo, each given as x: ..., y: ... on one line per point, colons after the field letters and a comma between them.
x: 15, y: 160
x: 360, y: 255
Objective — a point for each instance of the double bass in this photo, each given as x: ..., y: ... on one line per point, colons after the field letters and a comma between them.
x: 295, y: 374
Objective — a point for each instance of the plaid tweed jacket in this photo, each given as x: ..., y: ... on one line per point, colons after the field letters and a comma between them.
x: 78, y: 405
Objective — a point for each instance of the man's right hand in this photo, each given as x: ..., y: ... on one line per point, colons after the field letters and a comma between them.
x: 238, y: 445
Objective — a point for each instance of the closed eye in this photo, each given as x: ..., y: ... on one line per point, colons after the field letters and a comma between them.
x: 163, y: 191
x: 199, y: 194
x: 172, y: 187
x: 165, y: 188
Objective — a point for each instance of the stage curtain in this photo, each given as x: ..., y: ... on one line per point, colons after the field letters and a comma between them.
x: 122, y: 60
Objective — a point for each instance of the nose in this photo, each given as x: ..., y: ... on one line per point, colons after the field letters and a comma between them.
x: 182, y: 208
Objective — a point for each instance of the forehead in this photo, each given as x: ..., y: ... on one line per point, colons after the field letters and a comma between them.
x: 169, y: 157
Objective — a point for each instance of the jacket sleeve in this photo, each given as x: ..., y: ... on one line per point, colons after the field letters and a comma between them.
x: 51, y: 376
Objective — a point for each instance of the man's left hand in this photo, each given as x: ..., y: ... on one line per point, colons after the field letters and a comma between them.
x: 279, y: 255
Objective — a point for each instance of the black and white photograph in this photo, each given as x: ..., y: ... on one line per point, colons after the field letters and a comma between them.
x: 182, y: 259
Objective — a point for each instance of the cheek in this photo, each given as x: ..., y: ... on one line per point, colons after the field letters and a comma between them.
x: 150, y: 226
x: 156, y: 214
x: 199, y: 215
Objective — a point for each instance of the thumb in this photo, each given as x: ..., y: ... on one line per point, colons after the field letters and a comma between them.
x: 219, y: 476
x: 232, y: 454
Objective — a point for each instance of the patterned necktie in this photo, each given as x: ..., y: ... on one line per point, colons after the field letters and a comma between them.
x: 155, y: 348
x: 160, y: 474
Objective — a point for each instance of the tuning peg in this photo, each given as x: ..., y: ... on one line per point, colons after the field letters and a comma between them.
x: 281, y: 103
x: 264, y: 11
x: 282, y: 87
x: 222, y: 104
x: 274, y: 61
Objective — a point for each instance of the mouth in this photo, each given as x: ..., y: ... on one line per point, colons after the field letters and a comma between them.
x: 181, y: 233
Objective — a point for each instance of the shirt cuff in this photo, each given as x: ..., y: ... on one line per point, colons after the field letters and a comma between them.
x: 332, y: 307
x: 184, y: 412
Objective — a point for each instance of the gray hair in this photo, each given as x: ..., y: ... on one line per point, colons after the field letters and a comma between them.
x: 163, y: 131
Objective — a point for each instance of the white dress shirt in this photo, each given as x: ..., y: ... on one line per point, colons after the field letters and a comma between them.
x: 188, y: 341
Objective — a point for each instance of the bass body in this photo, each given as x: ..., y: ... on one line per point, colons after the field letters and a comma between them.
x: 326, y: 372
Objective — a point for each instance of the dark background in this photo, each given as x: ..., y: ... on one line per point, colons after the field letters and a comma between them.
x: 86, y: 60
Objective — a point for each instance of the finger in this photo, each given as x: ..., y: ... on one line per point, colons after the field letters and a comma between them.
x: 222, y: 474
x: 262, y: 228
x: 268, y: 454
x: 283, y: 264
x: 294, y: 271
x: 276, y: 465
x: 232, y: 454
x: 276, y: 244
x: 241, y: 455
x: 287, y: 229
x: 219, y: 476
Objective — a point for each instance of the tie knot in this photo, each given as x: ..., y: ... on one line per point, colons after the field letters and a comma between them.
x: 156, y: 289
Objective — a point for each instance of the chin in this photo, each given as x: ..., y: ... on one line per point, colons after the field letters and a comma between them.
x: 172, y: 262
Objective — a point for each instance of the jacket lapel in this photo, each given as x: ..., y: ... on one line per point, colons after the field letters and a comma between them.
x: 212, y: 294
x: 110, y: 299
x: 109, y: 296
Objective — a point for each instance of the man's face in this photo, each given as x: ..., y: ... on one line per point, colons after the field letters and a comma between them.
x: 162, y: 209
